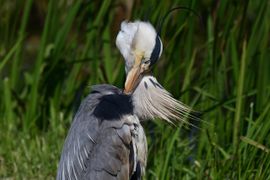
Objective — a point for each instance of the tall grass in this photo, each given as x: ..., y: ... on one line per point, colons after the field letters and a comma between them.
x: 52, y: 52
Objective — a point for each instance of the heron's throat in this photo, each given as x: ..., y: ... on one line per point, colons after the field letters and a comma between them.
x: 151, y: 101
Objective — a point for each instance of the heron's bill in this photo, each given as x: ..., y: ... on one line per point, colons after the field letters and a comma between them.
x: 133, y: 76
x: 133, y: 79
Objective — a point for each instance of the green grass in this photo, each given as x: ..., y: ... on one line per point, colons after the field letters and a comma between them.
x: 51, y: 52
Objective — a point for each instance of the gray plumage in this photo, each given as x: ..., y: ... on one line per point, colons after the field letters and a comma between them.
x: 106, y: 139
x: 102, y: 149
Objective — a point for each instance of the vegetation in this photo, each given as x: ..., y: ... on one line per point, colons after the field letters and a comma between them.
x: 51, y: 52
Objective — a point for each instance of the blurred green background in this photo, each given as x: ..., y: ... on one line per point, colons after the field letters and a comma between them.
x: 51, y: 52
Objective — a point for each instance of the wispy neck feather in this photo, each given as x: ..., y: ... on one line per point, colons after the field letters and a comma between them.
x: 151, y: 101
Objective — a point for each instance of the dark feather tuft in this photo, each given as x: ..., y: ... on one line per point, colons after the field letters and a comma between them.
x: 113, y: 107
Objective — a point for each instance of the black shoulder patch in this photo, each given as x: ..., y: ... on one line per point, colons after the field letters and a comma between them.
x: 113, y: 106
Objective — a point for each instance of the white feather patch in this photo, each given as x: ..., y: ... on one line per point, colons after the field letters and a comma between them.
x: 135, y: 38
x: 151, y: 101
x: 124, y: 41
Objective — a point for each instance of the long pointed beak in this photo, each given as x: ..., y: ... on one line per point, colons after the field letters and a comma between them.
x: 133, y: 77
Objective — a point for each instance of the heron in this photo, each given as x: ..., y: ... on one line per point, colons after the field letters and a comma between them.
x: 106, y: 139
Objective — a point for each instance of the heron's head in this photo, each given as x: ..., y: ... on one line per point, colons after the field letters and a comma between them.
x: 141, y: 47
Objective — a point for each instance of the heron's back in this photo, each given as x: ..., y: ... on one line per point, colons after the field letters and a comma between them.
x: 105, y: 141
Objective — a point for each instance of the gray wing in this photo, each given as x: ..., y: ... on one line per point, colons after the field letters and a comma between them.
x: 98, y: 148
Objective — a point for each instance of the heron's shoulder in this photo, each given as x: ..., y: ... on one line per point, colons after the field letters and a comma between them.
x: 95, y: 95
x: 113, y: 107
x: 113, y: 103
x: 105, y: 89
x: 108, y: 102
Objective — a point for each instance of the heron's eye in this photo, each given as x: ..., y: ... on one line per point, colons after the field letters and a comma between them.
x: 146, y: 61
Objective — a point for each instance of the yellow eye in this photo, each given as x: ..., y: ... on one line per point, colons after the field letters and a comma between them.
x: 144, y: 61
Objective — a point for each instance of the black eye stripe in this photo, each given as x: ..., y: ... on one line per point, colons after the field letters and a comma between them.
x: 155, y: 54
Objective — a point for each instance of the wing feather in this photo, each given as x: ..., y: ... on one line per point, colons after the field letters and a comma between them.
x: 94, y: 148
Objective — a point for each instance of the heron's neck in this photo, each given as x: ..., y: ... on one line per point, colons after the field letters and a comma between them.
x: 151, y: 101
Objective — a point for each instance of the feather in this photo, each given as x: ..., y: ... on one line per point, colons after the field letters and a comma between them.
x: 100, y: 148
x: 137, y: 38
x: 124, y: 42
x: 155, y: 102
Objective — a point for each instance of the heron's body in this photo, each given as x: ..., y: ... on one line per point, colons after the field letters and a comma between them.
x: 106, y: 140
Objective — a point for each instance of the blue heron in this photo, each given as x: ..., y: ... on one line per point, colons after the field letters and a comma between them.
x: 106, y: 139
